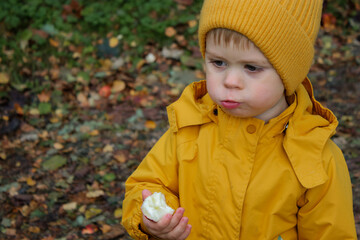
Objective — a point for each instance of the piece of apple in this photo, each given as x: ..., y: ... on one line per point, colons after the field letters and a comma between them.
x: 154, y: 207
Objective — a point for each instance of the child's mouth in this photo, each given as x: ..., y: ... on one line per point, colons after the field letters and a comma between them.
x: 230, y: 104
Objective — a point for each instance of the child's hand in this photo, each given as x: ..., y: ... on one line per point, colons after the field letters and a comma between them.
x: 170, y: 226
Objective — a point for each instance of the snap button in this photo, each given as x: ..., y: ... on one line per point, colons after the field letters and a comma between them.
x: 251, y: 129
x: 215, y: 112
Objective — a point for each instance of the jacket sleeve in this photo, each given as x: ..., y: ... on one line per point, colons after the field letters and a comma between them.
x: 157, y: 173
x: 326, y: 211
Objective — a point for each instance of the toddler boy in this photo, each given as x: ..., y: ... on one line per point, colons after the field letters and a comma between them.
x: 248, y: 153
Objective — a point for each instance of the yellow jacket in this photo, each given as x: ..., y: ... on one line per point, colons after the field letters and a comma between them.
x: 243, y: 179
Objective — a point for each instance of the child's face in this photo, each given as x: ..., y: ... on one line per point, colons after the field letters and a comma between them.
x: 242, y: 81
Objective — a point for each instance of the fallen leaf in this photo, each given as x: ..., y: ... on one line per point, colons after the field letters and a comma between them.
x: 105, y: 228
x: 82, y: 98
x: 92, y: 212
x: 3, y: 156
x: 140, y: 64
x: 95, y: 194
x: 54, y: 163
x: 58, y: 146
x: 10, y: 231
x: 108, y: 148
x: 192, y: 23
x: 118, y: 86
x: 113, y: 42
x: 118, y: 213
x: 54, y: 43
x: 30, y: 181
x: 34, y: 229
x: 170, y: 31
x: 70, y: 206
x: 121, y: 158
x: 150, y: 124
x: 44, y: 96
x: 4, y: 78
x: 19, y: 110
x: 94, y: 132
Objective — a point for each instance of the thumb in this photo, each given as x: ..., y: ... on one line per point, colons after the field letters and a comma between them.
x: 145, y: 194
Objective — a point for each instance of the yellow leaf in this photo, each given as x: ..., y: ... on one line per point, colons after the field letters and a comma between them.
x: 118, y: 86
x: 170, y: 31
x: 150, y: 124
x: 108, y: 148
x: 92, y: 212
x: 118, y: 213
x: 95, y: 194
x: 94, y: 132
x: 30, y: 181
x: 34, y: 111
x: 4, y: 78
x: 113, y: 42
x: 3, y: 156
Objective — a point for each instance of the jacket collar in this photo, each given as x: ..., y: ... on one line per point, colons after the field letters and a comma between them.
x: 308, y: 126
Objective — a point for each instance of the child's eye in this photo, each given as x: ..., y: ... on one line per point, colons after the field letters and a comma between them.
x: 252, y: 68
x: 218, y: 63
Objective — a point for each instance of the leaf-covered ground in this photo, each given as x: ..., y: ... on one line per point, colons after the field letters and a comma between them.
x: 67, y: 150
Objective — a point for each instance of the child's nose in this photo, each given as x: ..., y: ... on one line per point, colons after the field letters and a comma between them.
x: 234, y: 79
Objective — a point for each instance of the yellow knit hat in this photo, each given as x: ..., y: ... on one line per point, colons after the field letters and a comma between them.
x: 284, y: 30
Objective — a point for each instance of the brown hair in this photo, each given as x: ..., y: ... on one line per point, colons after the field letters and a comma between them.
x: 226, y: 36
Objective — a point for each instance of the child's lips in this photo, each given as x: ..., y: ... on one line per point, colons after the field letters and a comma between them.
x: 230, y: 104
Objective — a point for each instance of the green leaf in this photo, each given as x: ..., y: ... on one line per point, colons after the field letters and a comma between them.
x: 44, y: 108
x: 109, y: 177
x: 37, y: 214
x: 53, y: 163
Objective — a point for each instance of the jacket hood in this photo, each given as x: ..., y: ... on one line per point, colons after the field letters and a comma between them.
x: 310, y: 127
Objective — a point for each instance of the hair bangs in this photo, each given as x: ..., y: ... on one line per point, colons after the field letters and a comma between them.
x: 227, y: 36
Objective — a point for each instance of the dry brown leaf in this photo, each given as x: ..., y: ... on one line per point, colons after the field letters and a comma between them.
x: 44, y: 96
x: 54, y: 43
x: 82, y: 98
x: 170, y: 31
x: 19, y: 110
x: 105, y: 228
x: 192, y: 23
x: 58, y: 146
x: 34, y: 229
x: 121, y: 158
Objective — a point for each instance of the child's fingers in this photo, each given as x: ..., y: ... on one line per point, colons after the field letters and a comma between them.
x: 145, y: 194
x: 175, y: 219
x: 186, y: 233
x: 182, y: 230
